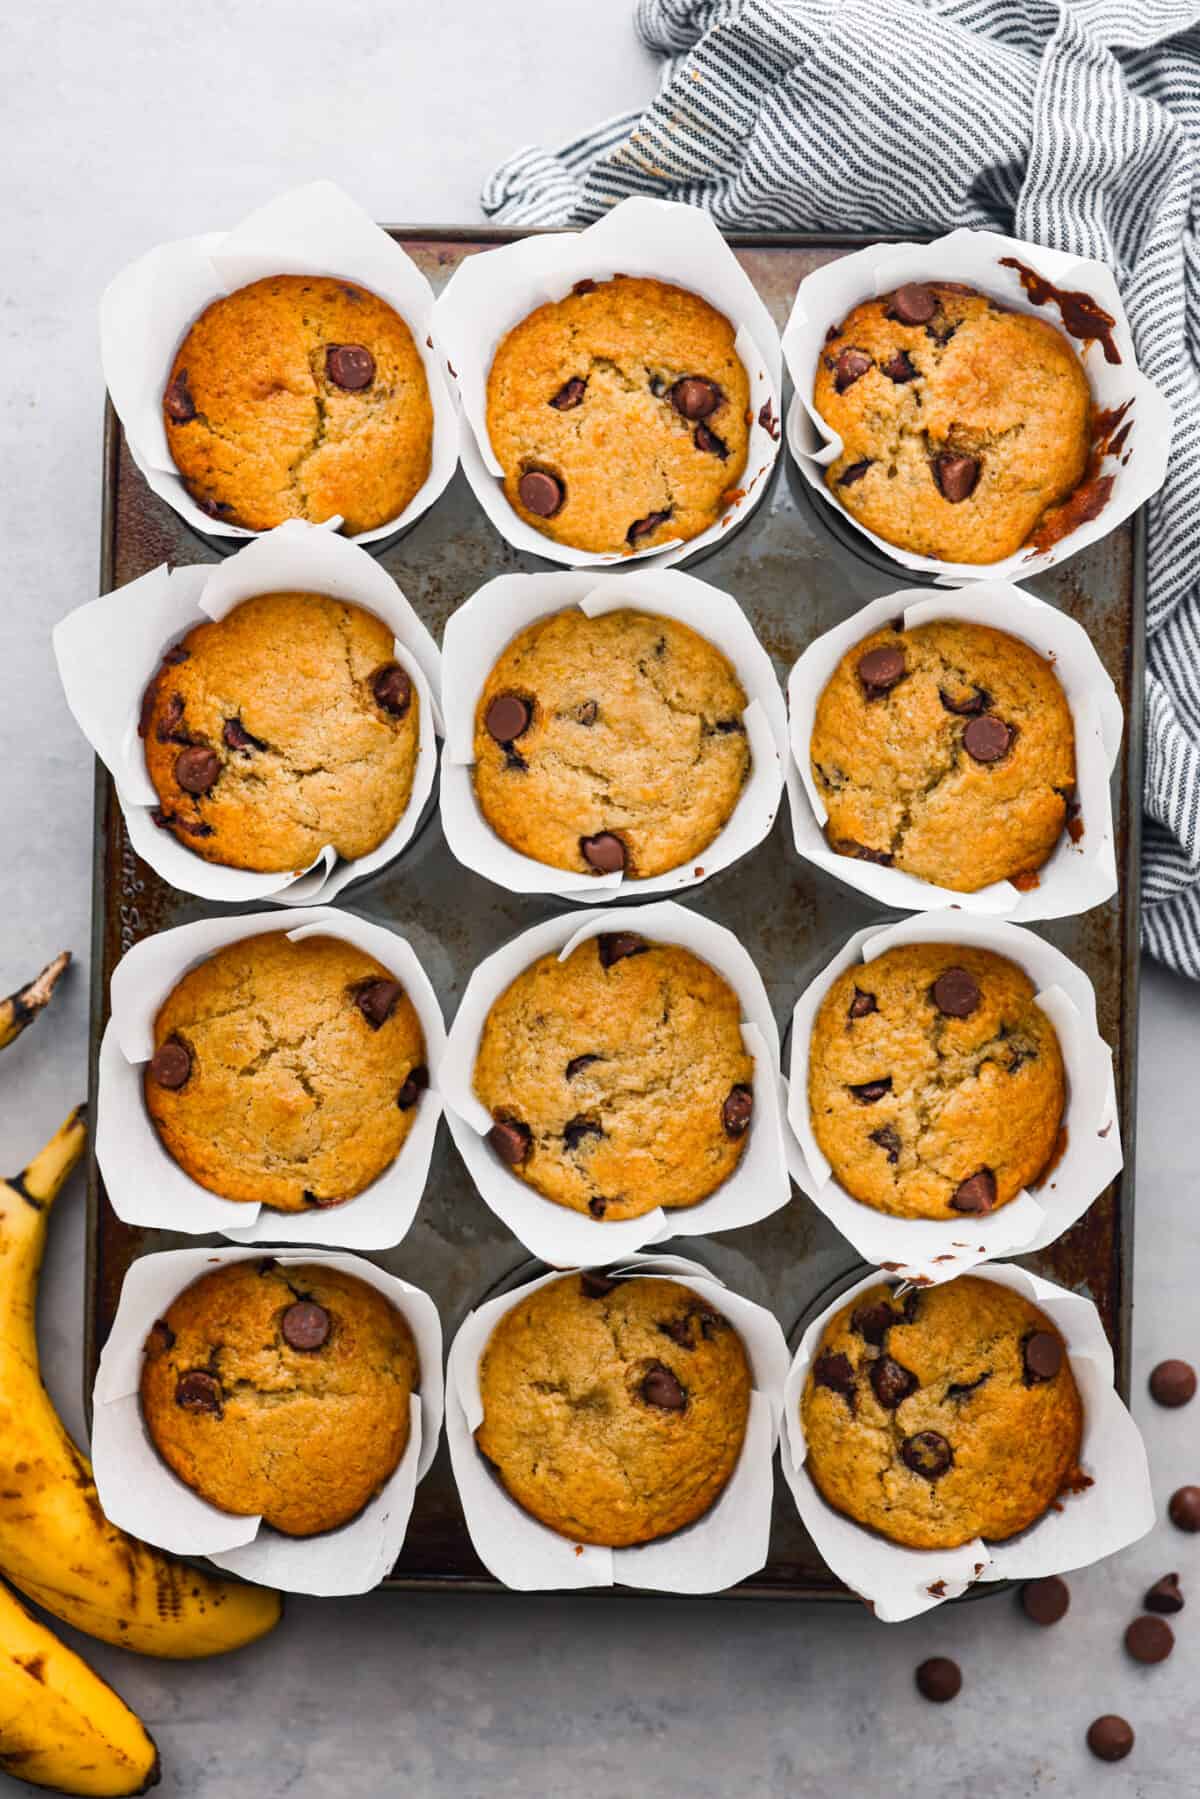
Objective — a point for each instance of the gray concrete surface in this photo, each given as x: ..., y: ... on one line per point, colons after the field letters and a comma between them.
x: 131, y: 122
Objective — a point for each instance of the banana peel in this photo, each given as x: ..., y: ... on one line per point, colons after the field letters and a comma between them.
x: 21, y: 1008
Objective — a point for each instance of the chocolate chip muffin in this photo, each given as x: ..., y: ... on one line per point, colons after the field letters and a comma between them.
x: 283, y: 727
x: 614, y: 1410
x: 948, y: 1414
x: 281, y: 1390
x: 935, y: 1082
x: 962, y: 423
x: 618, y: 1079
x: 300, y: 396
x: 286, y: 1073
x: 947, y: 751
x: 610, y: 744
x: 620, y: 415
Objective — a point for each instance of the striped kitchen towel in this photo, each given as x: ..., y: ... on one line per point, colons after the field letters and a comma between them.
x: 1074, y: 123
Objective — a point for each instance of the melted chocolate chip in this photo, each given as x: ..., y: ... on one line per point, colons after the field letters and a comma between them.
x: 880, y: 670
x: 198, y: 769
x: 868, y: 1092
x: 507, y: 717
x: 604, y: 852
x: 694, y: 398
x: 927, y: 1454
x: 709, y: 442
x: 853, y: 472
x: 888, y: 1139
x: 377, y: 1000
x: 199, y: 1391
x: 832, y: 1369
x: 899, y: 367
x: 392, y: 689
x: 891, y: 1383
x: 350, y: 366
x: 416, y: 1081
x: 615, y: 946
x: 576, y: 1129
x: 585, y: 713
x: 956, y: 476
x: 237, y: 737
x: 737, y: 1110
x: 660, y: 1388
x: 570, y: 394
x: 962, y: 1389
x: 597, y: 1206
x: 849, y: 367
x: 511, y: 1141
x: 988, y: 738
x: 862, y: 1005
x: 541, y: 493
x: 644, y: 527
x: 305, y: 1325
x: 913, y: 304
x: 873, y: 1321
x: 846, y: 846
x: 171, y: 1064
x: 976, y: 1194
x: 1042, y: 1354
x: 974, y: 702
x: 178, y: 403
x: 577, y: 1064
x: 596, y: 1286
x: 162, y: 1338
x: 956, y: 993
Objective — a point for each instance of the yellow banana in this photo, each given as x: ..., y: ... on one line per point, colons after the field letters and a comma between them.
x: 61, y: 1726
x: 23, y: 1006
x: 55, y: 1542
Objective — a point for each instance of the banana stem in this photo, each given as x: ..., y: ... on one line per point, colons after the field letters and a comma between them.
x: 43, y: 1180
x: 22, y: 1007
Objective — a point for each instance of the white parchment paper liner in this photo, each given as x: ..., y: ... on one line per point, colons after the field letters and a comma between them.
x: 728, y: 1544
x: 490, y: 293
x: 1077, y: 876
x: 1112, y: 1513
x: 481, y: 629
x: 758, y: 1186
x: 934, y: 1250
x: 109, y: 650
x: 147, y: 310
x: 142, y: 1495
x: 828, y: 294
x: 147, y: 1187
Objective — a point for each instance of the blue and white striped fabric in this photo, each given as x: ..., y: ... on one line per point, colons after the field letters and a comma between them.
x: 1074, y: 123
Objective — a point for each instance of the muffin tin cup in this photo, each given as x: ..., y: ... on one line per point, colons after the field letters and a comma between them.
x: 1077, y: 875
x: 660, y: 239
x: 727, y: 1544
x: 109, y: 650
x: 146, y: 1187
x: 480, y: 630
x: 141, y: 1494
x: 148, y: 309
x: 974, y: 257
x: 564, y: 1238
x: 1113, y: 1512
x: 931, y: 1250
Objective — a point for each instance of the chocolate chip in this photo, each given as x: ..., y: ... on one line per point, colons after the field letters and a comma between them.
x: 956, y: 993
x: 351, y: 366
x: 237, y: 737
x: 899, y: 368
x: 604, y: 852
x: 392, y: 689
x: 694, y: 398
x: 1043, y: 1357
x: 1149, y: 1640
x: 988, y: 738
x: 597, y: 1206
x: 832, y: 1369
x: 955, y: 476
x: 197, y: 769
x: 867, y: 1092
x: 846, y: 846
x: 660, y: 1388
x: 1184, y: 1508
x: 939, y: 1679
x: 1164, y: 1595
x: 849, y: 367
x: 171, y: 1064
x: 873, y: 1322
x: 416, y: 1081
x: 596, y: 1286
x: 615, y: 946
x: 198, y: 1391
x: 178, y: 403
x: 514, y: 761
x: 214, y: 508
x: 643, y: 527
x: 1110, y: 1738
x: 507, y: 717
x: 880, y: 670
x: 305, y: 1325
x: 162, y: 1338
x: 862, y: 1005
x: 541, y: 494
x: 888, y: 1139
x: 913, y: 304
x: 1173, y: 1383
x: 853, y: 472
x: 891, y: 1383
x: 962, y: 1389
x: 576, y: 1129
x: 1045, y: 1601
x: 927, y: 1454
x: 585, y: 714
x: 577, y: 1064
x: 587, y: 286
x: 737, y: 1110
x: 570, y: 394
x: 377, y: 1000
x: 708, y: 441
x: 511, y: 1141
x: 974, y: 702
x: 725, y: 727
x: 976, y: 1194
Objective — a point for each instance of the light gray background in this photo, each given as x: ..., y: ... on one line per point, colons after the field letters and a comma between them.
x: 136, y: 121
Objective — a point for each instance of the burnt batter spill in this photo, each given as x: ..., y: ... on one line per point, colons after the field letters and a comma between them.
x: 1110, y: 430
x: 1082, y: 316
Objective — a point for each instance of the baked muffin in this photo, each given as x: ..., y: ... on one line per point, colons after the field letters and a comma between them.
x: 610, y: 743
x: 283, y: 727
x: 946, y: 1415
x: 962, y: 423
x: 614, y: 1410
x: 935, y: 1082
x: 947, y: 751
x: 300, y: 396
x: 620, y: 415
x: 286, y: 1073
x: 618, y: 1079
x: 281, y: 1390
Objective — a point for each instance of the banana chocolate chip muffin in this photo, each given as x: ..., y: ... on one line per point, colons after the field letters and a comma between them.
x: 935, y: 1082
x: 962, y: 423
x: 618, y: 1079
x: 281, y: 728
x: 620, y: 415
x: 300, y: 396
x: 281, y: 1390
x: 614, y: 1410
x: 286, y: 1073
x: 948, y: 1414
x: 947, y: 751
x: 610, y: 744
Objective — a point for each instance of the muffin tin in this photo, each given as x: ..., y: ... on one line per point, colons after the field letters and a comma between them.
x: 798, y: 569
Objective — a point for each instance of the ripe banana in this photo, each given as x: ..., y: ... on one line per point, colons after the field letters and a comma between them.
x: 23, y: 1006
x: 55, y: 1542
x: 61, y: 1726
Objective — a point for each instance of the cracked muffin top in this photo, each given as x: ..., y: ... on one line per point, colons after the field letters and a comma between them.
x: 281, y: 1390
x: 943, y: 1415
x: 963, y: 423
x: 618, y: 1079
x: 947, y: 751
x: 935, y: 1082
x: 283, y: 727
x: 300, y: 396
x: 286, y: 1073
x: 620, y: 415
x: 614, y: 1410
x: 610, y: 744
